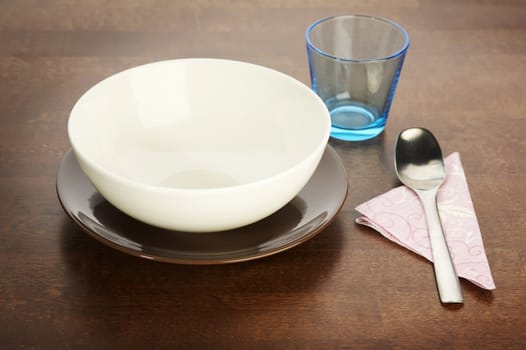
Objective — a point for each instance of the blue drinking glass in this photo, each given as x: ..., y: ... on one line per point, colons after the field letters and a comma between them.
x: 355, y: 62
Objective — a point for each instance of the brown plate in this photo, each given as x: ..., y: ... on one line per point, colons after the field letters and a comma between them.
x: 301, y: 219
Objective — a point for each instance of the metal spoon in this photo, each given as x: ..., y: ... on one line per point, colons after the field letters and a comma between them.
x: 419, y: 165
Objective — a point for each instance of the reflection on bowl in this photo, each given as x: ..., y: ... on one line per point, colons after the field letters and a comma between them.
x: 199, y: 145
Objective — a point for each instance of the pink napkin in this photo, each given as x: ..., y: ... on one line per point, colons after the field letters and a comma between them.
x: 398, y: 215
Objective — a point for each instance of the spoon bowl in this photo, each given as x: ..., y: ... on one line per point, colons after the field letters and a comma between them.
x: 419, y: 161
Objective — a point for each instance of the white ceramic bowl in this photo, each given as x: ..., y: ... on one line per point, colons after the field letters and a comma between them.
x: 199, y: 144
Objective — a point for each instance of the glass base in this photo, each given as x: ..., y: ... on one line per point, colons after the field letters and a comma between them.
x: 356, y: 122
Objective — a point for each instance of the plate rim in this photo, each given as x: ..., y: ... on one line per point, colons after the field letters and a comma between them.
x: 181, y: 261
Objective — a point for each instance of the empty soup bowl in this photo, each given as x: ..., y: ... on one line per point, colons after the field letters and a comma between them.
x: 199, y: 145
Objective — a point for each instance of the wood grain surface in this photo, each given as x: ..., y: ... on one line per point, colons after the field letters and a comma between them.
x: 348, y: 287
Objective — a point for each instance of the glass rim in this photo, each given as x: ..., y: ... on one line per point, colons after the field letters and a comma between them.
x: 376, y: 18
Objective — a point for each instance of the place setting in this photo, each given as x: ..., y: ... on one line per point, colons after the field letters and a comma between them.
x: 214, y: 161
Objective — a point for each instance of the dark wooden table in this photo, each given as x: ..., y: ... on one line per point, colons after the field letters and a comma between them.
x: 346, y: 288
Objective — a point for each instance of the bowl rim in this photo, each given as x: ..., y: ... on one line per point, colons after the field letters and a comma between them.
x: 316, y: 152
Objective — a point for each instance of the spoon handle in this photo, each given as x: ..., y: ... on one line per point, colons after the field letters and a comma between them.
x: 445, y: 274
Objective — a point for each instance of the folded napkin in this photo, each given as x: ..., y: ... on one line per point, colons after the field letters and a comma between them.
x: 398, y: 215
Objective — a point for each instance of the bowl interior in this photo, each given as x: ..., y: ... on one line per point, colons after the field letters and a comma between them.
x: 198, y: 123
